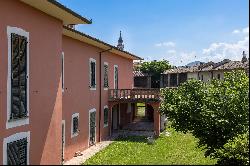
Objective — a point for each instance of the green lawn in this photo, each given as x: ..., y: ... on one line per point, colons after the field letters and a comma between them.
x: 178, y: 148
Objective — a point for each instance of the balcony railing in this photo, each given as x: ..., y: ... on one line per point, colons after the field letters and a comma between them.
x: 134, y: 94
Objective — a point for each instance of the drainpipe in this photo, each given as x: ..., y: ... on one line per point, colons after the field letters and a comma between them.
x: 100, y: 97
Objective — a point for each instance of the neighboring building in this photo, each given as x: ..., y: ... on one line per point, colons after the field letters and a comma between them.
x: 204, y: 72
x: 141, y: 80
x: 61, y: 90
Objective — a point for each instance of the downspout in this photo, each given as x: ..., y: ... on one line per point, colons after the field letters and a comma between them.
x: 100, y: 97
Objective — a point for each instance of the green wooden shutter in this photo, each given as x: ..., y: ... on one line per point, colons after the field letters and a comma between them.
x: 106, y: 76
x: 106, y: 116
x: 93, y: 81
x: 92, y: 127
x: 75, y: 124
x: 17, y: 152
x: 18, y: 76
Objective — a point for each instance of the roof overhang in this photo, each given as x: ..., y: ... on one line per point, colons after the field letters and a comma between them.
x: 97, y: 43
x: 57, y: 10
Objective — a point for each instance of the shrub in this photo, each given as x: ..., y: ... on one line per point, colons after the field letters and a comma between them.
x: 214, y: 112
x: 235, y: 151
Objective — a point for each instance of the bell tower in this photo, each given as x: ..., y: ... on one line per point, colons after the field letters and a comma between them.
x: 244, y: 58
x: 120, y: 44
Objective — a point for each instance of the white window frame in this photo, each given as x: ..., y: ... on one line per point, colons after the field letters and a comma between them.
x: 116, y: 66
x: 90, y: 111
x: 23, y: 121
x: 63, y: 72
x: 12, y: 138
x: 72, y: 125
x: 105, y: 125
x: 92, y: 60
x: 105, y: 63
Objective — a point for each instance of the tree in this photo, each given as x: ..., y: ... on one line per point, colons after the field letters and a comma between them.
x: 155, y: 69
x: 214, y: 113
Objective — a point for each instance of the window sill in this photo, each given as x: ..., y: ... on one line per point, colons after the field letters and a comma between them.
x: 11, y: 123
x: 92, y: 88
x: 14, y: 120
x: 105, y: 88
x: 74, y: 134
x: 105, y: 125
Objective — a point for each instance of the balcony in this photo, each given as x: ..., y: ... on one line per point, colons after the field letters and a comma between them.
x: 134, y: 95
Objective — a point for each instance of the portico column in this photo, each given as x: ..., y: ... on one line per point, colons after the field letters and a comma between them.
x: 177, y: 80
x: 157, y: 119
x: 168, y: 80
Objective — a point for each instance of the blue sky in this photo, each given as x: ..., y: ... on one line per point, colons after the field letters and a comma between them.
x: 180, y: 31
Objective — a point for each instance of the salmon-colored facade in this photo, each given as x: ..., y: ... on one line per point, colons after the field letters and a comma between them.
x: 58, y: 83
x: 45, y: 97
x: 79, y: 98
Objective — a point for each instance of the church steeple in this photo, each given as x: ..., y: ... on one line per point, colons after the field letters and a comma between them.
x: 120, y: 44
x: 244, y: 58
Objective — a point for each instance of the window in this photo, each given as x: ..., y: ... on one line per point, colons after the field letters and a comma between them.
x: 18, y: 77
x: 16, y: 149
x: 218, y: 76
x: 202, y: 77
x: 115, y: 77
x: 92, y: 66
x: 106, y: 82
x: 62, y: 71
x: 75, y: 125
x: 106, y: 116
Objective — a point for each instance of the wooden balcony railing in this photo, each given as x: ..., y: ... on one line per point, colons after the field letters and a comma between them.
x: 134, y: 94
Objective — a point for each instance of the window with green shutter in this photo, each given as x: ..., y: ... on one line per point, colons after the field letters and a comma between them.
x: 92, y: 68
x: 75, y: 125
x: 18, y: 76
x: 17, y: 152
x: 106, y: 84
x: 106, y: 116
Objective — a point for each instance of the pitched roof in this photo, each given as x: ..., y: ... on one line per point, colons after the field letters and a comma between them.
x: 137, y: 73
x: 57, y: 10
x: 182, y: 69
x: 98, y: 43
x: 210, y: 66
x: 233, y: 65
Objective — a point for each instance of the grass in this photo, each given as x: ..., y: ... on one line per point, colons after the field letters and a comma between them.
x: 178, y: 148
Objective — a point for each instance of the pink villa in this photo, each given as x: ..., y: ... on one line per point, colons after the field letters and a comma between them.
x: 61, y: 91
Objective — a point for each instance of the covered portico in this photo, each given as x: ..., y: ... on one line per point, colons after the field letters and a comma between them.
x: 123, y: 107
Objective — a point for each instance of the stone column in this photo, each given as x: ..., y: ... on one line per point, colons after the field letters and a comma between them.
x: 168, y: 80
x: 157, y: 119
x: 177, y: 80
x: 149, y: 82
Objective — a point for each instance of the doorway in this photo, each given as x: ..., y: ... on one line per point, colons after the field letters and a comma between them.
x: 115, y: 117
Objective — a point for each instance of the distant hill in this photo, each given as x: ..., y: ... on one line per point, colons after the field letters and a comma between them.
x: 194, y: 63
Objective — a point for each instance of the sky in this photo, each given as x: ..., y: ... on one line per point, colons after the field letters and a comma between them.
x: 180, y: 31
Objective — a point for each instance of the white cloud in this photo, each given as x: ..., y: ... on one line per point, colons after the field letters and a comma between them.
x: 165, y: 44
x: 236, y: 31
x: 241, y: 31
x: 171, y: 52
x: 219, y: 51
x: 246, y: 30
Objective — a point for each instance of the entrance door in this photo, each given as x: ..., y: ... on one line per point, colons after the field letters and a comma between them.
x: 115, y: 117
x: 63, y: 139
x: 92, y: 127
